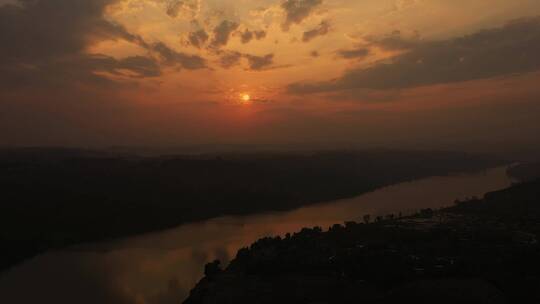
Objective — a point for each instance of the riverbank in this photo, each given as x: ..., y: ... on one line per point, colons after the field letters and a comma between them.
x: 163, y: 266
x: 479, y: 251
x: 57, y: 202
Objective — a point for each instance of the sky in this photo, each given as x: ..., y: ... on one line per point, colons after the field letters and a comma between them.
x: 434, y: 74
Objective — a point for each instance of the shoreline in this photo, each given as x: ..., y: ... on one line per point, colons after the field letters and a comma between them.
x: 375, y: 261
x: 37, y: 247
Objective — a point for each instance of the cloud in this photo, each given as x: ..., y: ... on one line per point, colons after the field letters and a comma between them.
x: 322, y: 29
x: 45, y: 42
x: 358, y: 53
x: 136, y: 66
x: 198, y: 38
x: 40, y: 30
x: 77, y: 69
x: 260, y: 34
x: 258, y: 63
x: 168, y: 55
x: 172, y: 57
x: 297, y: 11
x: 229, y: 59
x: 496, y: 52
x: 248, y: 35
x: 223, y: 32
x: 141, y: 66
x: 176, y: 7
x: 394, y: 41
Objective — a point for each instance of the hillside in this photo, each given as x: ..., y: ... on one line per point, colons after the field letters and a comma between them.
x: 479, y: 251
x: 54, y: 198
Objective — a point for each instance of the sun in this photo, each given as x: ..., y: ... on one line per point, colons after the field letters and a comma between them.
x: 245, y: 97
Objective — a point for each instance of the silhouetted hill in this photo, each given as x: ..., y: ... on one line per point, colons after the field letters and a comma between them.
x: 38, y: 155
x: 480, y: 251
x: 525, y: 171
x: 519, y: 202
x: 53, y: 198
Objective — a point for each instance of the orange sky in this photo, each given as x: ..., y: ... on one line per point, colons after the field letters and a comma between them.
x: 406, y: 73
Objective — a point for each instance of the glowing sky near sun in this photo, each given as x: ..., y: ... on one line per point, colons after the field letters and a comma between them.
x: 263, y: 46
x: 168, y: 72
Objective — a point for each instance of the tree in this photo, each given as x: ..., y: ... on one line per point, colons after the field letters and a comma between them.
x: 212, y: 269
x: 367, y: 218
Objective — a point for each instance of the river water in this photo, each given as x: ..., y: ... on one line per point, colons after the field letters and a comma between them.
x: 161, y: 268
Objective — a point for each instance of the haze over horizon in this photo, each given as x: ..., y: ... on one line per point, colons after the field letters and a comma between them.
x: 430, y: 74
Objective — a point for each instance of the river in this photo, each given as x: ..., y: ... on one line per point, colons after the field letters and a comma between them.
x: 161, y: 267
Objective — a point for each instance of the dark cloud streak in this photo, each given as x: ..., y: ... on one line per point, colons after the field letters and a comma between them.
x: 322, y: 29
x: 44, y: 43
x: 223, y: 32
x: 229, y: 59
x: 248, y: 35
x: 258, y: 63
x: 507, y: 50
x: 297, y: 11
x: 358, y: 53
x: 198, y: 38
x: 172, y: 57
